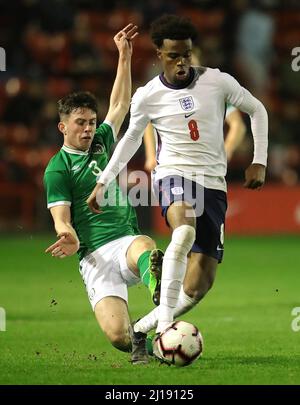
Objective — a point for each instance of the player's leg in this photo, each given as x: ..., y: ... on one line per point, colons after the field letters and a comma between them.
x: 145, y: 260
x: 199, y: 278
x: 107, y: 290
x: 113, y: 318
x: 180, y: 217
x: 202, y: 262
x: 207, y: 251
x: 175, y: 259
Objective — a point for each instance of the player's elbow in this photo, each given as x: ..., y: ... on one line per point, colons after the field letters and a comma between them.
x: 122, y: 107
x: 260, y: 109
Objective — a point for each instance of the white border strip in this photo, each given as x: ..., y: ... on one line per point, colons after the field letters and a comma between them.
x: 112, y: 127
x: 55, y: 204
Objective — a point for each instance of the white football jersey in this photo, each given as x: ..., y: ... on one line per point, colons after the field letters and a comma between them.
x: 188, y: 123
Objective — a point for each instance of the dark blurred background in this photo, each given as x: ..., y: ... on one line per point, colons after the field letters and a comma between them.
x: 54, y: 47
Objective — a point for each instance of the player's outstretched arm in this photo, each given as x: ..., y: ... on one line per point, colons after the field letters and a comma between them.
x: 255, y: 174
x: 121, y: 91
x: 149, y: 143
x: 125, y: 149
x: 68, y: 242
x: 246, y: 102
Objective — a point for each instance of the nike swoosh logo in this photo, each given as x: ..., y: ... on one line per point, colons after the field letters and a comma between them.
x: 188, y: 115
x: 218, y: 248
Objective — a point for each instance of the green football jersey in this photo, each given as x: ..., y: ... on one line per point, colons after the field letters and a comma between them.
x: 69, y: 179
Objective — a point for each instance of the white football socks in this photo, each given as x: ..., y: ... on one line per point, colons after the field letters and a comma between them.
x: 184, y: 304
x: 173, y: 271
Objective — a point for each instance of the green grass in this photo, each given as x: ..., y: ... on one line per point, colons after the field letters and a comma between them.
x: 245, y: 320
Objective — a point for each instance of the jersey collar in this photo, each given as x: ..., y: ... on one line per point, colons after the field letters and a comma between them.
x: 74, y: 151
x: 178, y: 86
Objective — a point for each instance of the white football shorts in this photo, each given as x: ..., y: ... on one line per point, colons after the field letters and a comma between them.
x: 105, y: 272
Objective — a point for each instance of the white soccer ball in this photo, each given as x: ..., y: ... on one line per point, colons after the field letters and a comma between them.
x: 180, y: 344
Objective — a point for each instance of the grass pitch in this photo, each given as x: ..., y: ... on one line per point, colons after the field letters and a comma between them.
x: 52, y: 337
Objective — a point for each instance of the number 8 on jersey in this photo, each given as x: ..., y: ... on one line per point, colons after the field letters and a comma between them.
x: 194, y: 132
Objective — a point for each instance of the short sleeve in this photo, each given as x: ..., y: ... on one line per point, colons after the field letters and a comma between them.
x: 105, y: 133
x: 58, y: 189
x: 229, y: 109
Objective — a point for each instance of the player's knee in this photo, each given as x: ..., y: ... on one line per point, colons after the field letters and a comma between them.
x: 184, y: 236
x: 120, y: 339
x: 144, y: 243
x: 181, y: 212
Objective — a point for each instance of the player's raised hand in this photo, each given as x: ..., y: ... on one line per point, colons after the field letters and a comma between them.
x: 67, y: 245
x: 95, y: 198
x: 123, y: 39
x: 255, y: 176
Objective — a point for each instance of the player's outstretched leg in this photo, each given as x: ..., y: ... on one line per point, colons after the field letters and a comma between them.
x: 155, y: 268
x: 173, y: 272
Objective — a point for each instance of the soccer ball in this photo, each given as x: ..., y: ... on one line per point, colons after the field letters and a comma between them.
x: 180, y: 344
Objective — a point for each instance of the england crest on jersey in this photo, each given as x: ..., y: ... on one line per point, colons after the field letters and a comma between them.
x: 187, y: 103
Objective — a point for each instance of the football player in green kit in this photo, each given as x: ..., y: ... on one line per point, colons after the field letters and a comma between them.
x: 112, y: 253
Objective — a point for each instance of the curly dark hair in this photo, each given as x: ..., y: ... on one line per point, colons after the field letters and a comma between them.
x: 80, y: 99
x: 171, y: 26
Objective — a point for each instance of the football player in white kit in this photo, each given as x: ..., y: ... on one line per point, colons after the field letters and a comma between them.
x: 186, y: 107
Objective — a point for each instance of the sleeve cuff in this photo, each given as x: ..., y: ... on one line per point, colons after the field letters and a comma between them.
x: 112, y: 128
x: 57, y: 203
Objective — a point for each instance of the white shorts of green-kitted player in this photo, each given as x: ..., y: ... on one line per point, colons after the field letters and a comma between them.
x: 105, y: 272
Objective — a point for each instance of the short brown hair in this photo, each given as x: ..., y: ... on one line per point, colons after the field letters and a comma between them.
x: 80, y: 99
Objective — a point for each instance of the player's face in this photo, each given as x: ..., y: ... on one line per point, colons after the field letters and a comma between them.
x: 176, y: 59
x: 79, y: 128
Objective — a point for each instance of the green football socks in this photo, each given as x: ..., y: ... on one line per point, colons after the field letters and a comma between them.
x: 144, y: 267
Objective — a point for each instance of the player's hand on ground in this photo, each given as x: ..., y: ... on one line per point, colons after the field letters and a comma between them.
x: 255, y: 176
x: 66, y: 245
x: 95, y: 198
x: 123, y: 39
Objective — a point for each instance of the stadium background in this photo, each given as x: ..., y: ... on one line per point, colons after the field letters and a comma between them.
x: 53, y: 47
